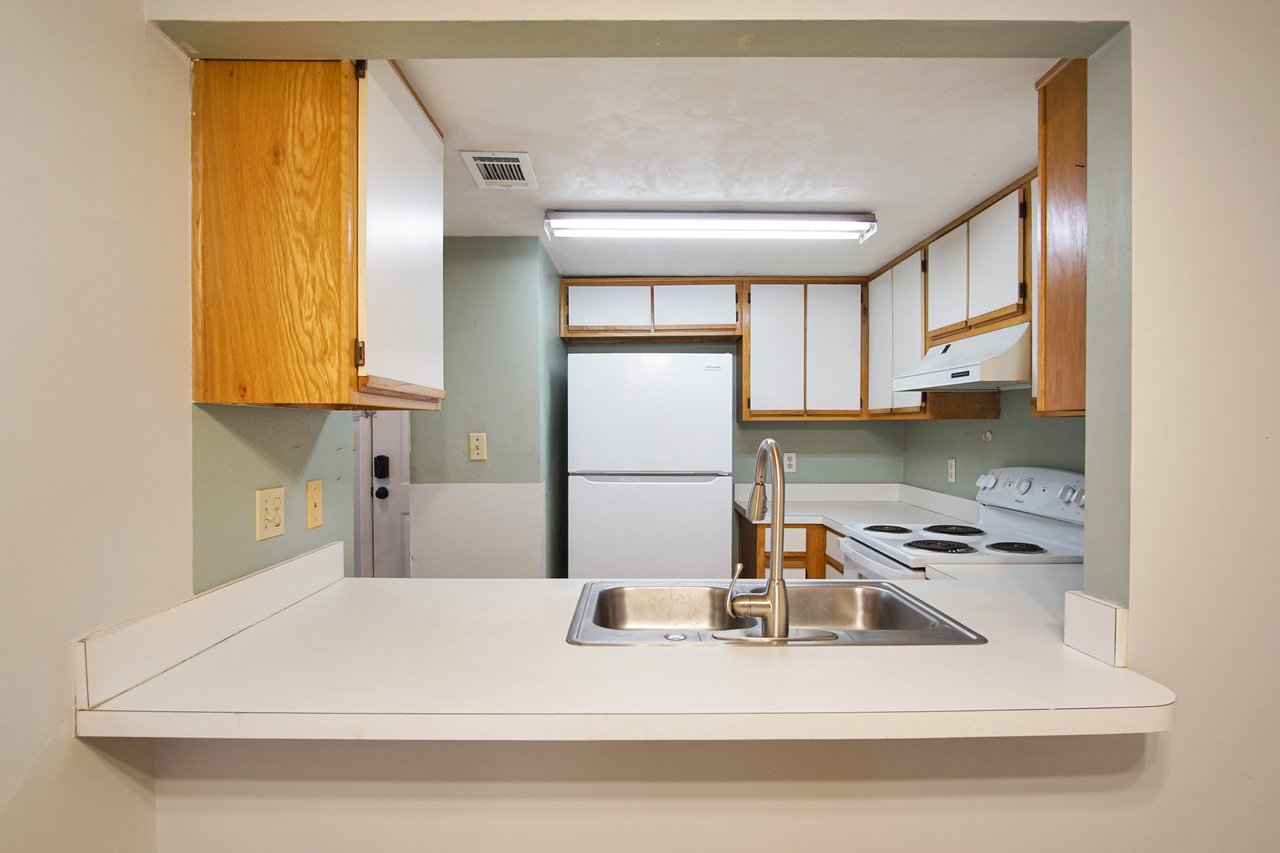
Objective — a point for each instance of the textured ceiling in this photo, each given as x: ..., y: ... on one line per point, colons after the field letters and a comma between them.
x: 915, y: 141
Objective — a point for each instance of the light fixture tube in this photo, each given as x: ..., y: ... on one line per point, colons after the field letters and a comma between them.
x: 714, y: 226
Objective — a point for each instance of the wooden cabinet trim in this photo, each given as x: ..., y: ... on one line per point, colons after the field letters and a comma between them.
x: 688, y: 333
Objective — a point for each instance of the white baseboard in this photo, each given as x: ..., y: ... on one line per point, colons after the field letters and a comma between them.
x: 1097, y: 627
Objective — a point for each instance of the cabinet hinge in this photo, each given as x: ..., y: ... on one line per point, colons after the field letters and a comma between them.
x: 362, y: 67
x: 359, y: 353
x: 748, y: 402
x: 748, y: 297
x: 1022, y: 210
x: 924, y: 265
x: 1022, y: 291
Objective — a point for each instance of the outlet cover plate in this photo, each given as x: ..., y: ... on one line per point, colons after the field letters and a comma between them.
x: 268, y: 511
x: 315, y: 503
x: 788, y: 463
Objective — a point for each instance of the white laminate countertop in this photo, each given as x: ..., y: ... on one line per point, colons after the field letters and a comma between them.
x: 458, y: 659
x: 847, y: 516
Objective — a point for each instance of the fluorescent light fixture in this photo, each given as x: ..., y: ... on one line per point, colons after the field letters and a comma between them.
x: 674, y: 225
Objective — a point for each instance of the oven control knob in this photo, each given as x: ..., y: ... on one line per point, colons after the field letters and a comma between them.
x: 1079, y: 499
x: 1066, y: 494
x: 1024, y: 485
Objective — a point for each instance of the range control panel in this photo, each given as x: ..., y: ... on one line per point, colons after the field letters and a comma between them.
x: 1047, y: 492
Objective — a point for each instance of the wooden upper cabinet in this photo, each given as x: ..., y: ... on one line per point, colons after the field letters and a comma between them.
x: 608, y: 309
x: 880, y: 344
x: 996, y: 264
x: 1063, y: 224
x: 308, y: 288
x: 948, y: 282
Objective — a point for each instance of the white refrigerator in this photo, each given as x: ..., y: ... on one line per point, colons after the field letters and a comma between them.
x: 650, y: 458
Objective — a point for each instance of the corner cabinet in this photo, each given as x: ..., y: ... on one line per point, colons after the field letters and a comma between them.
x: 317, y: 195
x: 683, y: 309
x: 803, y: 350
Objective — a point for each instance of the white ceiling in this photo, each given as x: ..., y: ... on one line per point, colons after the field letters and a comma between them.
x: 915, y: 141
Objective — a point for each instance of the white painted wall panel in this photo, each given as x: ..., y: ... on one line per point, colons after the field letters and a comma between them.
x: 949, y: 278
x: 995, y: 257
x: 880, y: 342
x: 777, y: 347
x: 695, y: 305
x: 404, y: 235
x: 908, y: 332
x: 833, y: 347
x: 477, y: 530
x: 620, y: 306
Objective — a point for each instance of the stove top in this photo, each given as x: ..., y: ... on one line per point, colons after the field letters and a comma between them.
x: 940, y: 546
x: 955, y: 530
x: 1016, y: 548
x: 999, y: 536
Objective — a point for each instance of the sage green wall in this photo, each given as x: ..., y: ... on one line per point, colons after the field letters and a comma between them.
x: 1109, y: 347
x: 237, y: 449
x: 1017, y: 438
x: 553, y: 382
x: 492, y: 328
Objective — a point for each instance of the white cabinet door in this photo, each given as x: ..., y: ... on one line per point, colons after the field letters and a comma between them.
x: 619, y: 306
x: 833, y: 348
x: 949, y: 279
x: 403, y: 296
x: 697, y: 305
x: 880, y: 343
x: 776, y: 348
x: 1033, y: 204
x: 908, y: 334
x: 995, y: 259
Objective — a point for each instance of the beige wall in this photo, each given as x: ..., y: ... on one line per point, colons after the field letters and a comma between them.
x: 1204, y: 178
x: 96, y: 493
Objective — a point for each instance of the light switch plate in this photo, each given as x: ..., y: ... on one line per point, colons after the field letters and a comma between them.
x: 268, y: 510
x: 479, y: 444
x: 315, y: 503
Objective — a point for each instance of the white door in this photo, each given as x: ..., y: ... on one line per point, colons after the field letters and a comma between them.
x: 949, y: 279
x: 610, y: 306
x: 651, y: 527
x: 995, y: 259
x: 908, y: 335
x: 402, y: 234
x: 382, y: 494
x: 650, y: 413
x: 833, y: 348
x: 776, y: 348
x: 880, y: 343
x: 677, y: 306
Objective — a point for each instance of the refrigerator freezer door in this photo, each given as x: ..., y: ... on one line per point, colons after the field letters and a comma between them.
x: 650, y: 527
x: 650, y: 413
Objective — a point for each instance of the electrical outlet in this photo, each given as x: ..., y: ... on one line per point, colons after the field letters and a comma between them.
x: 951, y: 470
x: 315, y: 503
x: 479, y: 444
x: 268, y: 513
x: 788, y: 463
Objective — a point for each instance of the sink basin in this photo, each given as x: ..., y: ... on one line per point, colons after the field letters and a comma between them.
x: 668, y: 613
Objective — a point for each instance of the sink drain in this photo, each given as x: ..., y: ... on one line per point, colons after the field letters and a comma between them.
x: 675, y: 638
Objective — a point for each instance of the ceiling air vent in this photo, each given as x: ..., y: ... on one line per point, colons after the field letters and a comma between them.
x: 500, y: 170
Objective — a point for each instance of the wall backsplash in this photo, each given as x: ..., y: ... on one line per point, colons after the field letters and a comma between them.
x: 1017, y: 438
x: 237, y: 449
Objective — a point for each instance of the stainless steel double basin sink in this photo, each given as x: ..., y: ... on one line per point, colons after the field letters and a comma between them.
x: 684, y: 613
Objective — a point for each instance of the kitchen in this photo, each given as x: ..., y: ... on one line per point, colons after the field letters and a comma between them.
x: 1124, y: 774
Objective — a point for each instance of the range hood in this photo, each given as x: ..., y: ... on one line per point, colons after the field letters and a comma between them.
x: 981, y: 363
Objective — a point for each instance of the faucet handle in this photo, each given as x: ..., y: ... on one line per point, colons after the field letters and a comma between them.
x: 728, y: 593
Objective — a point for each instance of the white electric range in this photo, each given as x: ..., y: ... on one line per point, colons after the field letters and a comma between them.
x: 1025, y: 515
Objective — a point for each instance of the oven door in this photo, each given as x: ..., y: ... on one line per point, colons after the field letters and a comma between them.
x: 863, y: 563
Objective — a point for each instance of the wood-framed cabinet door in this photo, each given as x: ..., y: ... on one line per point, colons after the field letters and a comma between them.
x: 996, y: 266
x: 400, y: 302
x: 689, y: 307
x: 833, y: 349
x: 880, y: 344
x: 948, y: 282
x: 774, y: 345
x: 610, y: 307
x: 908, y: 328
